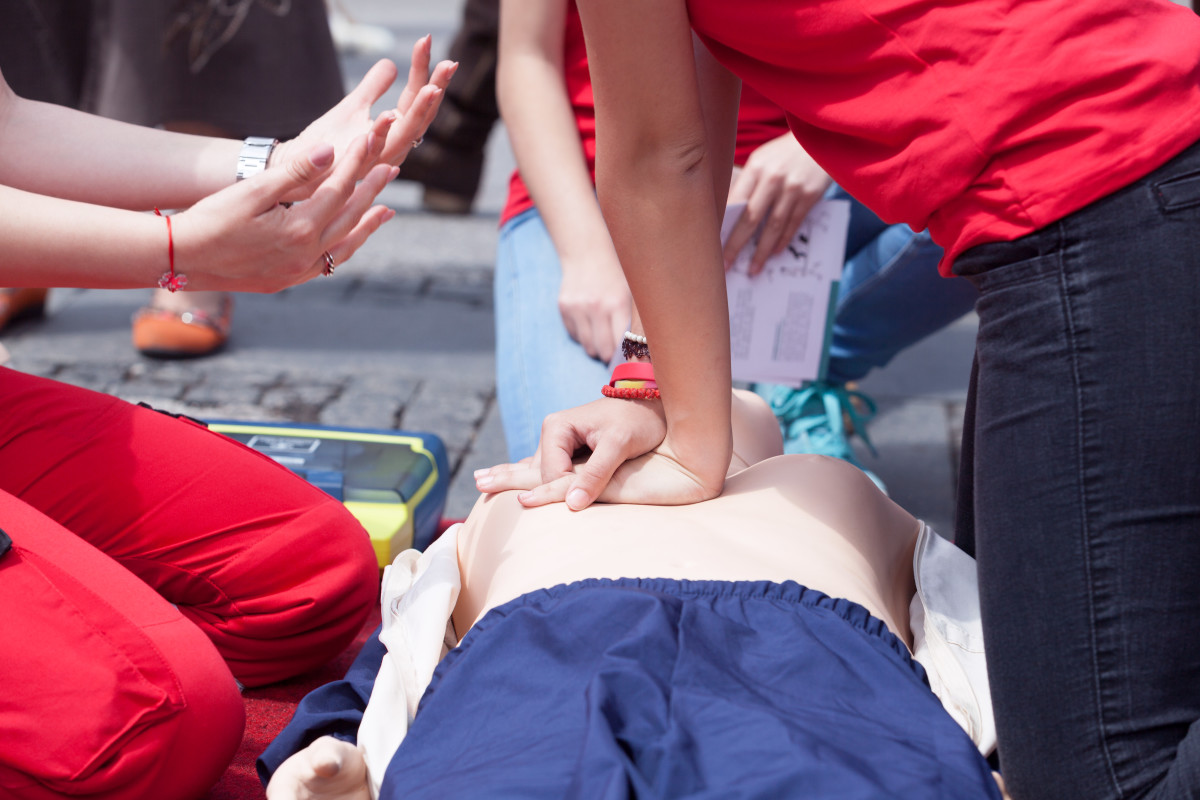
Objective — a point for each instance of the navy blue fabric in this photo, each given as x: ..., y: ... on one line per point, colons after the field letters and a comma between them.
x: 660, y: 688
x: 335, y: 709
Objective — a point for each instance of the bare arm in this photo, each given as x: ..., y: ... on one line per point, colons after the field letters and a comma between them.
x: 666, y: 121
x: 594, y: 299
x: 57, y: 151
x: 60, y: 152
x: 68, y: 180
x: 660, y: 183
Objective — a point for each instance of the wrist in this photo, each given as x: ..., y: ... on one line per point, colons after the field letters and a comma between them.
x: 254, y: 156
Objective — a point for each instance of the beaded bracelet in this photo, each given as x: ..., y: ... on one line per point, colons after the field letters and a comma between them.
x: 634, y: 345
x: 633, y: 380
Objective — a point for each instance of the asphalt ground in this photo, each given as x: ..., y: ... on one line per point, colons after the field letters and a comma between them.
x: 402, y: 337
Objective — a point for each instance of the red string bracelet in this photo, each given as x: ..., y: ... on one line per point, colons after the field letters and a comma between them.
x: 633, y: 380
x: 169, y: 280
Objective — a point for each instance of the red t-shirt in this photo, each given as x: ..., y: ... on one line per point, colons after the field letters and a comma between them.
x: 982, y: 121
x: 759, y: 120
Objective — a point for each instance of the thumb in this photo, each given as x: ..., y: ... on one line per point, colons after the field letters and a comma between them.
x: 299, y: 174
x: 592, y: 476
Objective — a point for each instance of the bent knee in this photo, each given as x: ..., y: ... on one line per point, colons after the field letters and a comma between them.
x: 305, y: 592
x: 163, y: 734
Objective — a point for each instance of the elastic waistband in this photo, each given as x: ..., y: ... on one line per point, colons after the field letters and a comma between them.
x: 788, y: 592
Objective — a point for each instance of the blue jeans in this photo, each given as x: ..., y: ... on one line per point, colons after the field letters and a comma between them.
x: 540, y: 369
x: 890, y: 297
x: 1080, y: 492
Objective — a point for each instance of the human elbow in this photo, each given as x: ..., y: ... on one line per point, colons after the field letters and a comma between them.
x: 650, y: 160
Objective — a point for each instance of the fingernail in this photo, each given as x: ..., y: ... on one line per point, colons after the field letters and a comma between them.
x: 321, y: 156
x: 477, y: 474
x: 370, y: 140
x: 577, y: 499
x: 483, y: 482
x: 389, y: 214
x: 394, y: 172
x: 524, y: 497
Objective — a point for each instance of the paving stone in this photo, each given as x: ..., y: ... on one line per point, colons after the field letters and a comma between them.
x: 98, y: 377
x: 362, y: 410
x: 214, y: 395
x: 44, y: 369
x: 452, y: 411
x: 486, y: 450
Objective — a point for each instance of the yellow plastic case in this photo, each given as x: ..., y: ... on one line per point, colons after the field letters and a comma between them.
x: 394, y: 482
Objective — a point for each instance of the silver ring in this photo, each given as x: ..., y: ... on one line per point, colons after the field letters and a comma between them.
x: 329, y: 263
x: 417, y: 142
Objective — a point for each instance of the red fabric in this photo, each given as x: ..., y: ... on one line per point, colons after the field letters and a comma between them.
x: 759, y: 120
x: 96, y: 494
x: 982, y: 121
x: 269, y: 709
x: 109, y: 690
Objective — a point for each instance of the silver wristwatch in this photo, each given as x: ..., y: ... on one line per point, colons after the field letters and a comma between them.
x: 253, y: 159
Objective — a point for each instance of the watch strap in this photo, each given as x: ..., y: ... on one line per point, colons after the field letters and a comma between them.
x: 253, y: 158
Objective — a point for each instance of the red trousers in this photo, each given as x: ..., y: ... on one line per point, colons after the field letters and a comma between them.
x: 152, y: 563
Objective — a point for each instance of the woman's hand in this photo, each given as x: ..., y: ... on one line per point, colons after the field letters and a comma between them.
x: 399, y: 129
x: 595, y: 304
x: 631, y: 460
x: 328, y: 769
x: 779, y: 184
x: 242, y: 239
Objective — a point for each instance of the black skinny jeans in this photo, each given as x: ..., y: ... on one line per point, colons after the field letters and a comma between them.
x: 1080, y: 493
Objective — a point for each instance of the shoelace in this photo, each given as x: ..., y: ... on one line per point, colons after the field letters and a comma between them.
x: 824, y: 425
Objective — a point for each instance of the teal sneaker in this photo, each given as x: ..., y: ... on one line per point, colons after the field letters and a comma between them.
x: 813, y: 420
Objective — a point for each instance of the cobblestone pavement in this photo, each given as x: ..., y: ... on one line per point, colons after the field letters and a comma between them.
x: 402, y: 337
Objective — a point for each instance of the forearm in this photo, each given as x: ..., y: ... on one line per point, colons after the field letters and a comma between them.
x: 57, y: 151
x: 52, y: 242
x: 678, y: 286
x: 543, y: 130
x: 656, y: 187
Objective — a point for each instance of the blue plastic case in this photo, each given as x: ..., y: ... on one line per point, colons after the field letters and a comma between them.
x: 394, y: 482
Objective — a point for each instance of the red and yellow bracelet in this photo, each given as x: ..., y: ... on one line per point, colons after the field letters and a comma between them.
x: 633, y: 380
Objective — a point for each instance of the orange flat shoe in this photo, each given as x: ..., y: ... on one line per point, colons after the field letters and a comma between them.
x: 16, y: 304
x: 163, y: 333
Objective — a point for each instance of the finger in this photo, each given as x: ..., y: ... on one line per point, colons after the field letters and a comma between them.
x: 568, y: 319
x: 361, y: 199
x: 418, y: 73
x: 556, y: 449
x: 331, y: 194
x: 379, y: 79
x: 379, y: 131
x: 299, y: 177
x: 521, y: 478
x: 587, y: 338
x: 593, y: 475
x: 776, y: 234
x: 348, y: 246
x: 546, y: 493
x: 617, y: 325
x: 741, y: 185
x: 760, y: 205
x: 411, y: 126
x: 742, y: 230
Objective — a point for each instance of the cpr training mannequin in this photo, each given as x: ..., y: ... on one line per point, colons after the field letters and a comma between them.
x: 667, y: 649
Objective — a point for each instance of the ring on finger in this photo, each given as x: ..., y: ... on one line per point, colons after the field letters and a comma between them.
x: 329, y: 263
x: 417, y: 142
